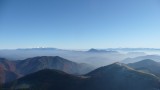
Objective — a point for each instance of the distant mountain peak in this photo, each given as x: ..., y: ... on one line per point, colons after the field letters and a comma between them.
x: 92, y: 50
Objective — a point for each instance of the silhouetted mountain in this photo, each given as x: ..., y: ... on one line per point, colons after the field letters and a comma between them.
x: 136, y: 59
x: 47, y: 80
x: 147, y: 65
x: 24, y: 67
x: 101, y: 51
x: 116, y: 76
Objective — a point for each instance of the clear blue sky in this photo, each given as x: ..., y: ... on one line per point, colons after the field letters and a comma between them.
x: 79, y: 24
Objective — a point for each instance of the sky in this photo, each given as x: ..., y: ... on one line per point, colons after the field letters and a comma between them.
x: 79, y: 24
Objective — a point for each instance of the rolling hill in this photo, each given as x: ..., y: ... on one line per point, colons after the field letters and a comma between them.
x: 147, y: 65
x: 116, y: 76
x: 31, y: 65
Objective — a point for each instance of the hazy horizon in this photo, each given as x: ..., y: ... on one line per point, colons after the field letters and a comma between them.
x: 79, y: 45
x: 107, y: 48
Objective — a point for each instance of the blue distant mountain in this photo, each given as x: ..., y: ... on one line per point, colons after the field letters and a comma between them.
x: 37, y: 49
x: 137, y: 59
x: 101, y: 51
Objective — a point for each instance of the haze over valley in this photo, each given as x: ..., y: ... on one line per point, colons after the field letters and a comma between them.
x: 79, y: 45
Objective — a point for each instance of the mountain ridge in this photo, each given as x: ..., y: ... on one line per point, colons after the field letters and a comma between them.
x: 31, y: 65
x: 116, y: 76
x: 147, y: 65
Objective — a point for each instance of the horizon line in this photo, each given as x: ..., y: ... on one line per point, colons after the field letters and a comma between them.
x: 79, y: 48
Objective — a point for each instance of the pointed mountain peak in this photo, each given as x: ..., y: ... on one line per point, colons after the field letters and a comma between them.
x: 93, y: 50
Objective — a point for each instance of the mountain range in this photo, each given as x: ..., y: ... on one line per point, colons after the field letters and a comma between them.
x: 139, y: 58
x: 95, y: 57
x: 147, y: 65
x: 116, y: 76
x: 11, y: 70
x: 57, y: 73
